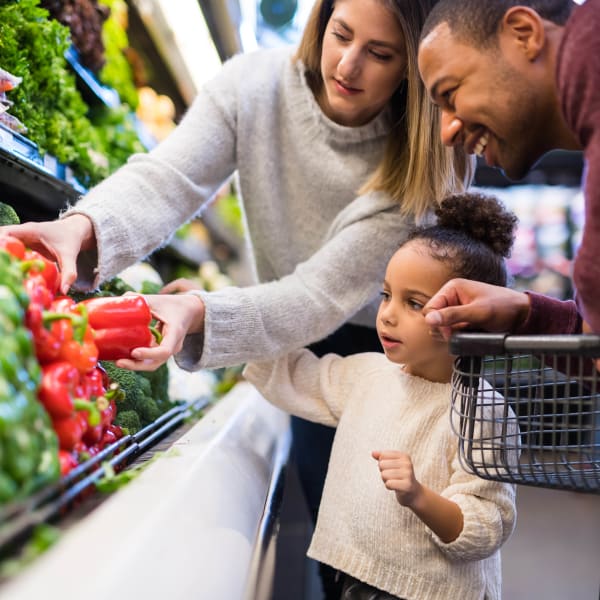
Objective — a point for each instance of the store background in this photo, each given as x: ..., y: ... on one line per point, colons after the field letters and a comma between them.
x: 555, y: 551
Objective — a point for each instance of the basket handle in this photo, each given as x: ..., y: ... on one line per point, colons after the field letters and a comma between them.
x: 481, y: 344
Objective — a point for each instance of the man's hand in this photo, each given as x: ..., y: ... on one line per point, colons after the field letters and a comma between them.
x: 463, y: 303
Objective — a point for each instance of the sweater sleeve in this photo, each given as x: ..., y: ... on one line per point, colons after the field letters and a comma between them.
x: 488, y: 507
x: 270, y: 319
x: 139, y: 207
x: 303, y: 385
x: 578, y: 75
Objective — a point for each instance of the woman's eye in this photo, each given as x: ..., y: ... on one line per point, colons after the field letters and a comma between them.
x: 379, y: 56
x: 447, y: 98
x: 384, y: 296
x: 339, y: 36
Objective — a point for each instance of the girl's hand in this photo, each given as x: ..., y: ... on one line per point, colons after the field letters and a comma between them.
x: 61, y: 241
x: 178, y: 315
x: 397, y: 473
x: 180, y: 285
x: 441, y: 515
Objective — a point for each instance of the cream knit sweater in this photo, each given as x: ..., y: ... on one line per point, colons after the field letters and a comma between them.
x: 319, y: 252
x: 362, y: 530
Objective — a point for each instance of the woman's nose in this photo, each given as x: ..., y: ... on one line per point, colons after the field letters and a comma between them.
x: 451, y: 129
x: 349, y: 65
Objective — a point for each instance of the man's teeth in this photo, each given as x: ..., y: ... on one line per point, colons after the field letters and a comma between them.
x: 481, y: 144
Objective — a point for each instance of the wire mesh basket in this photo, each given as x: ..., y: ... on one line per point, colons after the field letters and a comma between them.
x: 526, y: 409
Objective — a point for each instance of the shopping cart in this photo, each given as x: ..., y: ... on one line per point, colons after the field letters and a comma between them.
x: 526, y: 409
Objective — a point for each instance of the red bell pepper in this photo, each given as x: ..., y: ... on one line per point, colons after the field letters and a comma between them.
x: 69, y: 325
x: 69, y: 431
x: 13, y: 246
x: 58, y: 388
x: 67, y: 461
x: 120, y: 324
x: 51, y: 329
x: 81, y: 354
x: 36, y: 263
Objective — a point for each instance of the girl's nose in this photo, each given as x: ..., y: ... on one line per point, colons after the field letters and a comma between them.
x: 387, y: 317
x: 451, y: 129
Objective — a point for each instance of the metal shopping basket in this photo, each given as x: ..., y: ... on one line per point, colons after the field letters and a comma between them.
x: 526, y: 409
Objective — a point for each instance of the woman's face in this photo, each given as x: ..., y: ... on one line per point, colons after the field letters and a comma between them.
x: 362, y: 63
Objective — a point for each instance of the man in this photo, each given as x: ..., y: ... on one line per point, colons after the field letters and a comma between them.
x: 515, y: 79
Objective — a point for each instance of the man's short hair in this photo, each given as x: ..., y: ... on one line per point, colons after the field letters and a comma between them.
x: 477, y: 22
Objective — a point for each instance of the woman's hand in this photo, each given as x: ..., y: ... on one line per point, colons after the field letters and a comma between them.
x: 462, y: 303
x: 180, y: 285
x: 178, y: 315
x: 61, y: 241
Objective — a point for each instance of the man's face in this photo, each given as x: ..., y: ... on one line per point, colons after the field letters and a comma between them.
x: 489, y: 103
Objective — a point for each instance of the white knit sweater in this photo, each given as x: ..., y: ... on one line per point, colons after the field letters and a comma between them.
x: 318, y: 250
x: 362, y: 530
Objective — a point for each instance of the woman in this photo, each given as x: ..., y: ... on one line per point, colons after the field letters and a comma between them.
x: 337, y: 152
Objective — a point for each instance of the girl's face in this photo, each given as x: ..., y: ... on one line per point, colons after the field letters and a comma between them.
x: 411, y: 279
x: 362, y: 63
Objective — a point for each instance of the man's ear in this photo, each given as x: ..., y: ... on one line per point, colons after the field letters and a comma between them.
x: 525, y: 28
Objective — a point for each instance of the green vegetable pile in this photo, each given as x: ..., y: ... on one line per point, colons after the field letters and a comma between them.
x: 8, y: 215
x: 146, y: 395
x: 32, y: 46
x: 47, y: 101
x: 28, y: 444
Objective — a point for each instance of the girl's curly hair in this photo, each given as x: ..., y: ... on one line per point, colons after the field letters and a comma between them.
x: 474, y: 233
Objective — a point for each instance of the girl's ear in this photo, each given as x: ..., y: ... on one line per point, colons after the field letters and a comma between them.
x: 525, y: 29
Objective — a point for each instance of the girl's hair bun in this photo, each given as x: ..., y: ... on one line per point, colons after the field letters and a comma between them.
x: 481, y: 217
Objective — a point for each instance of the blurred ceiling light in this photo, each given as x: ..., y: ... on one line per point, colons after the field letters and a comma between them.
x: 181, y: 35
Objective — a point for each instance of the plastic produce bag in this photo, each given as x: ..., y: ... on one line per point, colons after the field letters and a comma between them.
x: 9, y: 82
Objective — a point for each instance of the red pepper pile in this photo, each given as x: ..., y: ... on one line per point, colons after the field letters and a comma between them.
x: 69, y: 339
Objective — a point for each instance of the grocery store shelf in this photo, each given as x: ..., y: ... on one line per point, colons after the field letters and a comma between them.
x: 193, y: 524
x: 559, y: 167
x: 91, y: 89
x: 36, y: 186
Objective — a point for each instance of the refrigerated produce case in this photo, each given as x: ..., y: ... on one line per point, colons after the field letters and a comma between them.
x: 202, y: 513
x: 198, y: 522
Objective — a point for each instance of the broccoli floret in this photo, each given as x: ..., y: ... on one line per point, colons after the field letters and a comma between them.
x: 129, y: 420
x: 8, y: 216
x: 113, y: 287
x: 159, y: 384
x: 138, y: 393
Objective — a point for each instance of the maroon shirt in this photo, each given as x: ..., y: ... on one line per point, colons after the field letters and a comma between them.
x: 578, y: 81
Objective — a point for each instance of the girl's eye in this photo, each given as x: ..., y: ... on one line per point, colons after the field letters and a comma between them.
x: 384, y: 296
x: 414, y: 305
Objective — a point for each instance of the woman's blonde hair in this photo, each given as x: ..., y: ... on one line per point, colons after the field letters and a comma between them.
x: 416, y: 168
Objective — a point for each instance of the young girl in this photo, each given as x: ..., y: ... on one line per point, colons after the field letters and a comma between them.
x: 399, y: 516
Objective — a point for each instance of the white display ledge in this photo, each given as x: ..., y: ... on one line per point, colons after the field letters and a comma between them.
x: 187, y: 527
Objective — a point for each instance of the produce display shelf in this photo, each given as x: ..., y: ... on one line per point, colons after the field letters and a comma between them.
x: 23, y: 150
x: 37, y: 186
x: 17, y: 520
x: 199, y: 522
x: 89, y: 82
